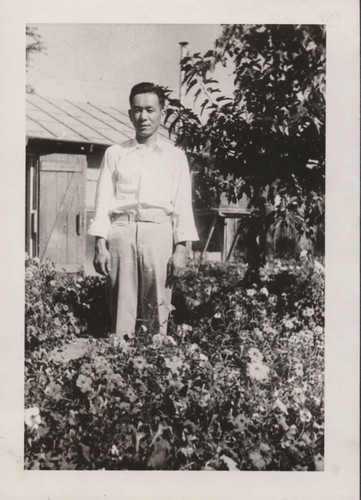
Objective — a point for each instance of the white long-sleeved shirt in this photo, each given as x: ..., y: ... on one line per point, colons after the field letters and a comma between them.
x: 134, y: 177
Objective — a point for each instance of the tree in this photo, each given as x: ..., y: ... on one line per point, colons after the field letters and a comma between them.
x: 268, y: 141
x: 34, y: 45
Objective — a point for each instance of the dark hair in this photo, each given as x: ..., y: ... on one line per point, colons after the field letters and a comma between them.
x: 148, y: 88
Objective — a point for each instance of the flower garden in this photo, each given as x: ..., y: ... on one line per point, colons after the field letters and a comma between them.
x: 238, y: 383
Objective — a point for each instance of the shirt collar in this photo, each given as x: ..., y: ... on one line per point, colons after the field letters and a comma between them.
x: 155, y: 146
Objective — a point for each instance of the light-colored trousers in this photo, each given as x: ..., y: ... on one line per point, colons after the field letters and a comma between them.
x: 138, y: 292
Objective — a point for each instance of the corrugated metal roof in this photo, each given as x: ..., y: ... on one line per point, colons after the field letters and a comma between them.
x: 68, y: 121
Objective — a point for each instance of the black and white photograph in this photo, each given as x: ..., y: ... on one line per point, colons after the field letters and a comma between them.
x: 196, y: 342
x: 181, y: 305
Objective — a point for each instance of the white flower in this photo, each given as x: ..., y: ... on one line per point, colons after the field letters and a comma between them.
x: 233, y: 374
x: 114, y: 450
x: 169, y: 341
x: 306, y: 335
x: 303, y: 254
x: 269, y: 329
x: 258, y: 333
x: 299, y: 369
x: 238, y: 313
x: 278, y: 404
x: 231, y: 464
x: 160, y: 339
x: 305, y: 415
x: 32, y: 417
x: 118, y: 342
x: 316, y: 400
x: 273, y: 299
x: 258, y: 371
x: 251, y: 292
x: 319, y: 268
x: 175, y: 364
x: 299, y: 395
x: 288, y: 324
x: 257, y: 460
x: 292, y: 431
x: 187, y: 451
x: 265, y: 449
x: 241, y: 422
x: 193, y: 348
x: 306, y: 438
x: 318, y: 461
x: 217, y: 315
x: 308, y: 312
x: 255, y: 355
x: 264, y: 291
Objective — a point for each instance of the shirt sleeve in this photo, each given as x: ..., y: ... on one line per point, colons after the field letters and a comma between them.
x: 100, y: 224
x: 184, y: 228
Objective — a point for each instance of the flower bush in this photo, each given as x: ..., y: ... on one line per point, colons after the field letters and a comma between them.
x: 236, y: 385
x: 59, y: 306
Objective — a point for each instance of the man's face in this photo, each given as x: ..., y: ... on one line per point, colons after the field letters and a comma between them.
x: 145, y: 114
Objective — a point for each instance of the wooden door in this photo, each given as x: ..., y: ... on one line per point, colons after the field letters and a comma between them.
x: 62, y: 210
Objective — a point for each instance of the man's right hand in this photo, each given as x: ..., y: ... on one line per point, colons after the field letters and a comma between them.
x: 101, y: 260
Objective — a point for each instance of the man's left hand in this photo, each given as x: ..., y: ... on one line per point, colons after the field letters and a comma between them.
x: 176, y: 263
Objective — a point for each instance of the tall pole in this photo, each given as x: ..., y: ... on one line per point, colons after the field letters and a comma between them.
x: 183, y: 46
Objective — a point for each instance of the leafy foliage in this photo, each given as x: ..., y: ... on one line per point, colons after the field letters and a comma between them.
x: 267, y: 142
x: 236, y: 385
x: 58, y: 306
x: 34, y: 44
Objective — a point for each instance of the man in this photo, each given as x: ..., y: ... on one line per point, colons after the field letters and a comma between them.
x: 143, y: 218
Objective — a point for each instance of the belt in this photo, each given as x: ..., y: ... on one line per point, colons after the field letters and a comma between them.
x: 141, y: 217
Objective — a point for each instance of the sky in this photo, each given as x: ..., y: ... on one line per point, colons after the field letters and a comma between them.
x: 101, y: 62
